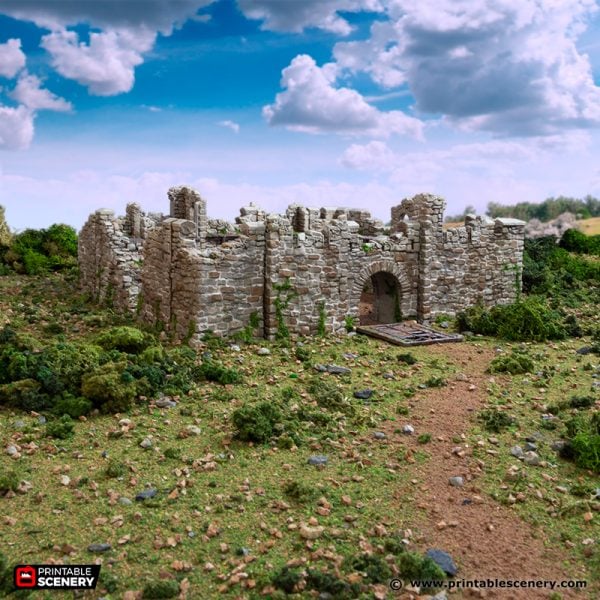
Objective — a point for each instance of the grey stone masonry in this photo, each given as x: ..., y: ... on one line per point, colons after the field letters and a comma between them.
x: 301, y: 269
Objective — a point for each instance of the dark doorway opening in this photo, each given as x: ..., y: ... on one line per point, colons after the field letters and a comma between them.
x: 380, y: 300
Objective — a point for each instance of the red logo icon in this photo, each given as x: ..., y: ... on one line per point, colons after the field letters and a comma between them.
x: 25, y: 577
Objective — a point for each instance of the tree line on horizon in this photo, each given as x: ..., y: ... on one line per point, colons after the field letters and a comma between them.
x: 549, y: 209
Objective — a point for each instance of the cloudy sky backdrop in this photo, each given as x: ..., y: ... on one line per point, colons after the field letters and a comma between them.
x: 324, y: 102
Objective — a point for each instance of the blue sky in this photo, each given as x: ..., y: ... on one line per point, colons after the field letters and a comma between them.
x: 322, y: 102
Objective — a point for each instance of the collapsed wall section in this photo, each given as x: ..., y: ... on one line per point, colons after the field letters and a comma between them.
x: 110, y: 255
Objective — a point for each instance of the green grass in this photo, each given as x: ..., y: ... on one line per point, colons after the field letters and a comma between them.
x: 218, y: 495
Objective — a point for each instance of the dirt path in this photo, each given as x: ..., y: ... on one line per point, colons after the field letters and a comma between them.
x: 486, y: 539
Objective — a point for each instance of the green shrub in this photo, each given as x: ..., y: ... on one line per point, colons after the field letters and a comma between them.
x: 24, y: 394
x: 495, y: 420
x: 72, y: 406
x: 110, y: 388
x: 115, y: 469
x: 331, y: 585
x: 514, y: 363
x: 60, y: 429
x: 125, y: 339
x: 303, y: 354
x: 407, y: 358
x: 435, y: 382
x: 9, y: 480
x: 424, y: 438
x: 374, y: 568
x: 577, y: 402
x: 586, y: 451
x: 415, y: 566
x: 525, y: 320
x: 300, y: 491
x: 213, y: 371
x: 256, y: 422
x: 286, y: 579
x: 574, y: 240
x: 329, y: 396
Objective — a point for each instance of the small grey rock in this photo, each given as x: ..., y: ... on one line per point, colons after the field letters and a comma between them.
x: 146, y: 494
x: 146, y: 443
x: 42, y: 420
x: 102, y: 547
x: 125, y: 501
x: 193, y: 430
x: 529, y: 446
x: 263, y: 352
x: 337, y: 370
x: 165, y: 403
x: 11, y: 450
x: 235, y: 348
x: 517, y: 451
x: 558, y: 445
x: 317, y: 460
x: 363, y: 394
x: 443, y: 560
x: 242, y: 551
x: 444, y: 324
x: 531, y: 458
x: 584, y: 350
x: 408, y: 429
x: 379, y: 435
x: 388, y: 375
x: 19, y: 424
x: 456, y: 481
x: 535, y: 437
x: 104, y: 454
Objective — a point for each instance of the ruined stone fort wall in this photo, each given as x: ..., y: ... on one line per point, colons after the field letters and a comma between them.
x: 305, y: 268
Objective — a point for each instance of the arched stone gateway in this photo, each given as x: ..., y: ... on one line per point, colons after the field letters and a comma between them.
x: 394, y: 294
x: 297, y: 272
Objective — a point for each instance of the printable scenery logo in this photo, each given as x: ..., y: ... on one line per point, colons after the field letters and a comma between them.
x: 56, y: 577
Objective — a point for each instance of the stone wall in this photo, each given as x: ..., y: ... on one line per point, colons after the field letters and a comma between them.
x: 303, y: 269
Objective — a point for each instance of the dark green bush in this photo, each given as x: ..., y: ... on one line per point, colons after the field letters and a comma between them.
x: 213, y: 371
x: 327, y: 395
x: 332, y: 585
x: 73, y: 406
x: 374, y: 568
x: 574, y: 240
x: 9, y: 480
x: 415, y: 566
x: 586, y: 451
x: 110, y: 388
x: 256, y: 422
x: 115, y: 468
x: 514, y: 363
x: 495, y: 420
x: 286, y: 579
x: 125, y: 339
x: 407, y: 358
x: 300, y: 491
x: 526, y: 320
x: 60, y: 429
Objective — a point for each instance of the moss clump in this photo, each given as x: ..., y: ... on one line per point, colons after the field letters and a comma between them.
x: 373, y: 568
x: 495, y: 420
x: 213, y: 371
x: 115, y: 468
x: 415, y: 566
x: 514, y: 363
x: 60, y: 429
x: 586, y: 451
x: 407, y: 358
x: 157, y: 590
x: 299, y: 491
x: 286, y: 579
x: 24, y: 394
x: 74, y: 407
x: 125, y: 339
x: 577, y: 402
x: 110, y: 388
x: 256, y: 422
x: 9, y: 480
x: 329, y: 396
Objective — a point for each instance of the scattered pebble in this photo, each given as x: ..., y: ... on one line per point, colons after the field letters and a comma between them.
x: 408, y: 429
x: 145, y: 494
x: 456, y: 481
x: 317, y: 460
x: 146, y: 443
x: 11, y: 450
x: 165, y: 403
x: 363, y: 394
x: 379, y: 435
x: 517, y: 451
x: 443, y: 560
x: 263, y: 352
x: 102, y: 547
x: 531, y: 458
x: 125, y: 501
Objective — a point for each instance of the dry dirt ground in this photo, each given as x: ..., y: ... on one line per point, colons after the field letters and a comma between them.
x: 486, y: 539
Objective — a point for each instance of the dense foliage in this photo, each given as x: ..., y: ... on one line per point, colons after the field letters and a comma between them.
x: 38, y: 251
x: 549, y: 209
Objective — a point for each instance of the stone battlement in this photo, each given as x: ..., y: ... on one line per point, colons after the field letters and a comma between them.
x: 193, y: 274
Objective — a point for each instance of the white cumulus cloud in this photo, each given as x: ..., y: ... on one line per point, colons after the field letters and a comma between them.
x: 106, y: 65
x: 311, y: 103
x: 16, y: 127
x: 506, y: 66
x: 30, y: 93
x: 296, y: 15
x: 12, y: 59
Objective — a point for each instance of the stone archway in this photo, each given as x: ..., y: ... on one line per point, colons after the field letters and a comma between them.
x: 380, y: 300
x: 394, y: 294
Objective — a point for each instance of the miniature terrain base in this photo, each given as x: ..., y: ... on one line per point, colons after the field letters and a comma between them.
x: 408, y: 333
